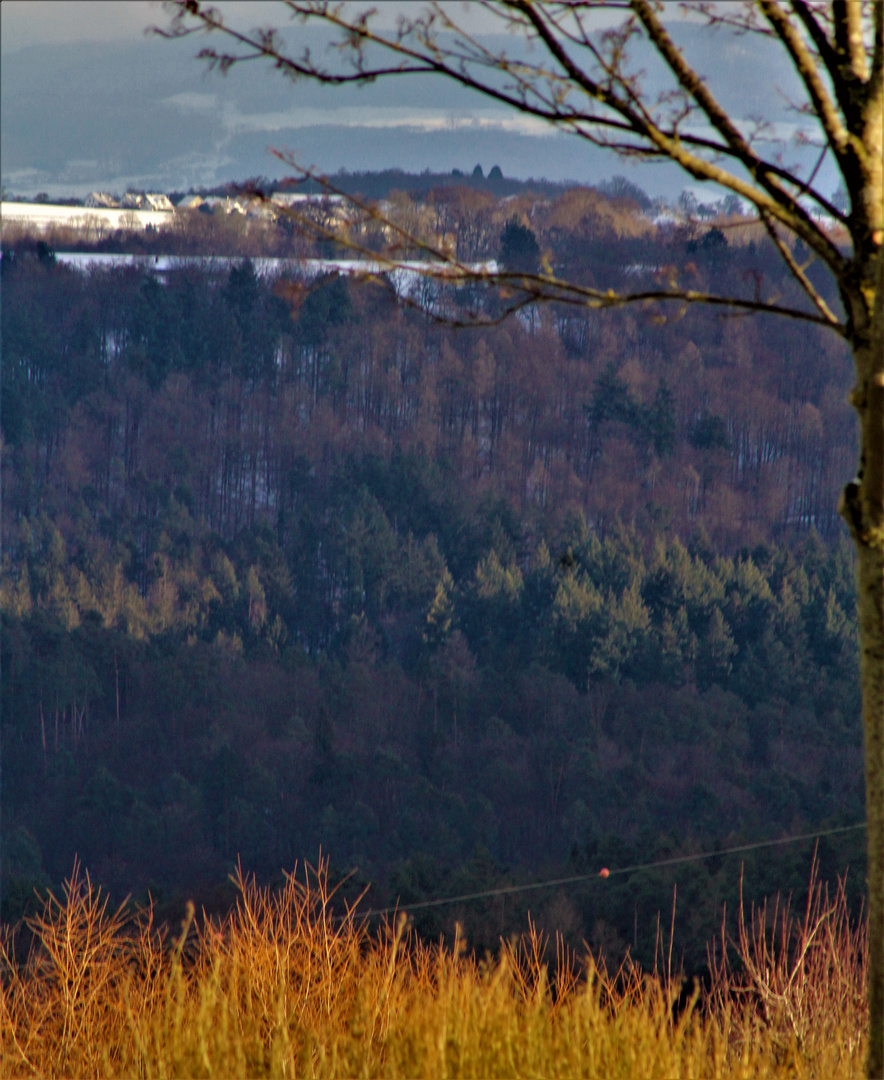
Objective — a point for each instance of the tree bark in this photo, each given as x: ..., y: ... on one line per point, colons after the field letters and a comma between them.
x: 871, y: 619
x: 871, y: 625
x: 862, y: 506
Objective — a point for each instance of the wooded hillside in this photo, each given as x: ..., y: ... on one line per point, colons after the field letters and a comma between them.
x: 285, y: 567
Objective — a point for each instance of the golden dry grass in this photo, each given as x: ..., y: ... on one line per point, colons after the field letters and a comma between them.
x: 281, y: 987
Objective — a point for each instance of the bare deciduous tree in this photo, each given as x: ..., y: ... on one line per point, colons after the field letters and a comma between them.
x: 581, y: 81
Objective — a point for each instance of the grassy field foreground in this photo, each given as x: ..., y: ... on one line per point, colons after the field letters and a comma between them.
x: 282, y: 987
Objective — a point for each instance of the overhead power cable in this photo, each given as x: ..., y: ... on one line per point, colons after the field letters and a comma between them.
x: 605, y: 873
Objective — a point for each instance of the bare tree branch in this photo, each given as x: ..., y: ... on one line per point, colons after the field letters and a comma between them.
x: 808, y: 71
x: 849, y: 36
x: 798, y: 272
x: 697, y: 89
x: 817, y: 35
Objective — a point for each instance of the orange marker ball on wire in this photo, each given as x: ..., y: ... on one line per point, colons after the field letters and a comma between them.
x: 604, y: 872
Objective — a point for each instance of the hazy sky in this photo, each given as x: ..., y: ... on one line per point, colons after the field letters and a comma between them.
x: 89, y: 100
x: 54, y: 22
x: 45, y: 22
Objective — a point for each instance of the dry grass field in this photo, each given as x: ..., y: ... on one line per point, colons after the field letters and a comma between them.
x: 283, y: 987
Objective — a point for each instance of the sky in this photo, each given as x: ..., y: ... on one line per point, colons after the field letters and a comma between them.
x: 43, y: 22
x: 90, y: 100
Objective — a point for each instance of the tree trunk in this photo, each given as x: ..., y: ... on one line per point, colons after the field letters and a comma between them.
x: 862, y: 506
x: 871, y: 621
x: 871, y: 617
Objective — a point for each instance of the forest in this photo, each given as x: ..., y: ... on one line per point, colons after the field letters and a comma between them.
x: 292, y: 567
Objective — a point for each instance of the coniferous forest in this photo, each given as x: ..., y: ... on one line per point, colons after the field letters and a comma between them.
x: 291, y: 569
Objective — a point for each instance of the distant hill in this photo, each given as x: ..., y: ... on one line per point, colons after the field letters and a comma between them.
x: 378, y: 184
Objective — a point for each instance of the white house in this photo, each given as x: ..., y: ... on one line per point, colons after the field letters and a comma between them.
x: 157, y: 201
x: 101, y: 199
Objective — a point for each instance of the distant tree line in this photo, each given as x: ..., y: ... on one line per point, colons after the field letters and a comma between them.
x: 611, y: 414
